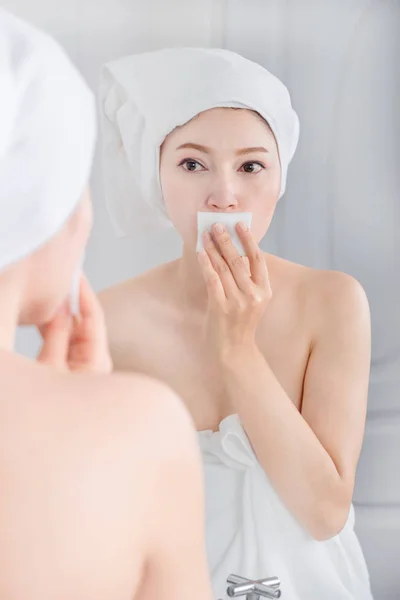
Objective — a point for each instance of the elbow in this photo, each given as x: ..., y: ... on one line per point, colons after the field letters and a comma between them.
x: 331, y: 519
x: 328, y: 528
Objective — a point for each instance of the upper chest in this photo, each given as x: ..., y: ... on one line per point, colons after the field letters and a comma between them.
x: 175, y: 350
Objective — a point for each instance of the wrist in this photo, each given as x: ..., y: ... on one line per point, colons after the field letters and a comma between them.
x: 233, y: 356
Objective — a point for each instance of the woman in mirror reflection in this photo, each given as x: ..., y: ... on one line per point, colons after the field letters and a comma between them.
x: 271, y: 357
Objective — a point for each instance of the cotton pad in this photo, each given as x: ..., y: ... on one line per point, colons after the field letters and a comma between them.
x: 205, y: 221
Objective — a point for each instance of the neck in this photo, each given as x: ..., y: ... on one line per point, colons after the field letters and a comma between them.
x: 10, y: 308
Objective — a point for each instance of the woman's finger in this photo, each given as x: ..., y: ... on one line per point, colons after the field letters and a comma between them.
x: 89, y: 348
x: 213, y: 282
x: 90, y: 323
x: 56, y: 336
x: 236, y: 263
x: 89, y: 305
x: 220, y: 266
x: 258, y: 267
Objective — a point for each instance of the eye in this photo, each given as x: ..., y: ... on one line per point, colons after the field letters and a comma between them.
x: 252, y: 167
x: 191, y: 165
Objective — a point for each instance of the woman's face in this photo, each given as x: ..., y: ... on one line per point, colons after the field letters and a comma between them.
x: 223, y: 160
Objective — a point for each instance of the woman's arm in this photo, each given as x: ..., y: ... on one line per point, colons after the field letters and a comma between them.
x: 311, y: 457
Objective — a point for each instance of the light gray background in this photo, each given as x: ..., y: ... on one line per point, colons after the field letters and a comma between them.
x: 341, y: 210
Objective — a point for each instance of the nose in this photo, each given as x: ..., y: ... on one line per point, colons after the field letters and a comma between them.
x: 222, y: 196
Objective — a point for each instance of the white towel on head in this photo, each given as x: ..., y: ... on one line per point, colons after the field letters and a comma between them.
x: 145, y: 96
x: 47, y: 138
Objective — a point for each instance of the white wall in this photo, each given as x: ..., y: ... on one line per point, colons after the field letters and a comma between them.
x: 341, y: 209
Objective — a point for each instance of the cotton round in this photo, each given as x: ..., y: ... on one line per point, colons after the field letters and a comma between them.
x: 143, y: 97
x: 47, y: 138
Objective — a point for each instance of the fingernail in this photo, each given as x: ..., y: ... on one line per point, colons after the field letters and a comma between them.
x: 243, y: 226
x: 219, y: 228
x: 207, y: 236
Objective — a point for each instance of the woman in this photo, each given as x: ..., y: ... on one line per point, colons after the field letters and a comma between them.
x: 93, y: 487
x: 271, y: 357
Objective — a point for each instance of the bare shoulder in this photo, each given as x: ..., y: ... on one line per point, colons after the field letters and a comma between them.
x: 35, y: 386
x: 140, y: 289
x: 329, y: 298
x: 89, y: 457
x: 131, y: 399
x: 120, y: 407
x: 134, y: 312
x: 136, y: 395
x: 338, y: 297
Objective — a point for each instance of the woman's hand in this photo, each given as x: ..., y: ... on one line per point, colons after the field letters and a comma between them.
x: 77, y: 343
x: 238, y: 290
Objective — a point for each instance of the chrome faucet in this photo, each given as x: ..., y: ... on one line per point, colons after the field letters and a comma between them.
x: 253, y: 590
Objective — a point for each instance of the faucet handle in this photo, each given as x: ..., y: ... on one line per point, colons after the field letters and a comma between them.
x: 266, y: 591
x: 253, y: 589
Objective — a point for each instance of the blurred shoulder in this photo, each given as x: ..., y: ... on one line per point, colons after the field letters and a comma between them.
x: 127, y: 410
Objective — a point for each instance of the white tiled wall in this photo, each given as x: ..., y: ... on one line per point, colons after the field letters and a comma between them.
x: 342, y: 206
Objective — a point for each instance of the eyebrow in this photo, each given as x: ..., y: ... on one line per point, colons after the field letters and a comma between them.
x: 207, y: 150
